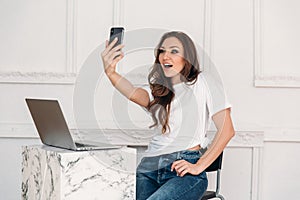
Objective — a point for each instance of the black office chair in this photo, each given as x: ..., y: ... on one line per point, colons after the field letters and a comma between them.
x: 215, y: 166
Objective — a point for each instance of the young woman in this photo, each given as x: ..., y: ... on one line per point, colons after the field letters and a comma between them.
x: 182, y: 101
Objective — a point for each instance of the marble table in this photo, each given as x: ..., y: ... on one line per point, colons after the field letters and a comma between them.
x: 53, y: 173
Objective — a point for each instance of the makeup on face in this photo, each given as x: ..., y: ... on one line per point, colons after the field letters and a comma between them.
x: 172, y: 51
x: 171, y: 57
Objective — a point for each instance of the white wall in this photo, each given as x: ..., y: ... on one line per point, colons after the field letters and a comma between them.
x: 254, y: 44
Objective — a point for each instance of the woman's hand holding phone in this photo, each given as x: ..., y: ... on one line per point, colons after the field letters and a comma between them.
x: 112, y: 53
x: 111, y: 56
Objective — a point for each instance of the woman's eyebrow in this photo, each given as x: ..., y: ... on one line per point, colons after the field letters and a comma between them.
x: 170, y: 47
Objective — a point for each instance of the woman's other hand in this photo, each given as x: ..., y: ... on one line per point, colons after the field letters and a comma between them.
x: 182, y: 167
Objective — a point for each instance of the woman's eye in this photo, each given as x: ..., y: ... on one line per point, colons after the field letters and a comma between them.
x: 174, y: 51
x: 161, y: 51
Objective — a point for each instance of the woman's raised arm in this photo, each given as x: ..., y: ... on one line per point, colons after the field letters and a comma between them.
x: 110, y: 57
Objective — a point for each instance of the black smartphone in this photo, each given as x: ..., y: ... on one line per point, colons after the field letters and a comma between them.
x: 116, y: 32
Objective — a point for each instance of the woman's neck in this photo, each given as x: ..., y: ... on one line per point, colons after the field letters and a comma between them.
x: 175, y: 80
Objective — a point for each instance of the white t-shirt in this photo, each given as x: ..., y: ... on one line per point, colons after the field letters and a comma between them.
x: 191, y: 112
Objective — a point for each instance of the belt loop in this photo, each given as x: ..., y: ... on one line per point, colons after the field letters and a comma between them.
x: 178, y: 157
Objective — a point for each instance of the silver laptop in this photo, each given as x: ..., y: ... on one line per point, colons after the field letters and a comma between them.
x: 53, y: 129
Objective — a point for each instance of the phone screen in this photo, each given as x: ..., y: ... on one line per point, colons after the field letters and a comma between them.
x: 116, y: 32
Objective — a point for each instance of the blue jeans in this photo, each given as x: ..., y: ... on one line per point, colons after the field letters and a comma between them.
x: 155, y: 181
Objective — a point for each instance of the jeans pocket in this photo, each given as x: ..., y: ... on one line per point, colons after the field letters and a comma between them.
x: 148, y: 164
x: 190, y: 156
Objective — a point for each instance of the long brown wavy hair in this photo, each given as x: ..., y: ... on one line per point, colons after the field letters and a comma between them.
x: 161, y: 86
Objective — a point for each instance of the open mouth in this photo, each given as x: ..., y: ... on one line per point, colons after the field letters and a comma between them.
x: 167, y: 65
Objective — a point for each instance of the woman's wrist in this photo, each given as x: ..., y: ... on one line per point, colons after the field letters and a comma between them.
x: 110, y: 73
x: 114, y: 77
x: 200, y: 167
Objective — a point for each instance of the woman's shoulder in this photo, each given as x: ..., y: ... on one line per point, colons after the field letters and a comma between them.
x: 200, y: 86
x: 211, y: 82
x: 201, y: 82
x: 201, y: 78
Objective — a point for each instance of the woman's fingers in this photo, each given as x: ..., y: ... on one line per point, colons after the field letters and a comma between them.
x: 182, y: 167
x: 117, y: 59
x: 113, y: 55
x: 118, y: 47
x: 109, y: 46
x: 108, y: 52
x: 179, y: 165
x: 109, y: 56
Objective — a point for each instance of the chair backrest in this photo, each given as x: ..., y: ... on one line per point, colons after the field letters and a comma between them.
x: 217, y: 164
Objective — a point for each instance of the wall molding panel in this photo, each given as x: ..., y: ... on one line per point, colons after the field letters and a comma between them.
x: 44, y: 76
x: 261, y: 78
x: 208, y: 32
x: 118, y: 13
x: 71, y: 66
x: 276, y: 81
x: 37, y: 78
x: 241, y: 139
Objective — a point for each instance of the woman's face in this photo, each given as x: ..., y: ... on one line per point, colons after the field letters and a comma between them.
x: 171, y: 58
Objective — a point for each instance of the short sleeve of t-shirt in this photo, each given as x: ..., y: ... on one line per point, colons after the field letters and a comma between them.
x: 148, y: 89
x: 216, y: 95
